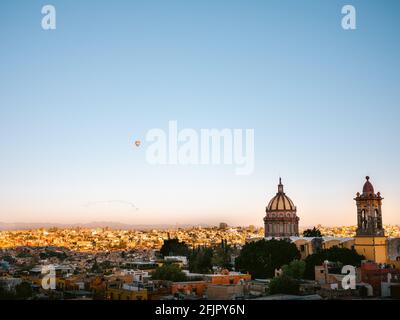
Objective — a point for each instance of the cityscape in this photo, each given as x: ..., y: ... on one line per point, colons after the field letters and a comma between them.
x: 199, y: 158
x: 209, y: 263
x: 103, y: 239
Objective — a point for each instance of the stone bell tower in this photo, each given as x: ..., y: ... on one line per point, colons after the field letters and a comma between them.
x: 369, y: 212
x: 370, y: 238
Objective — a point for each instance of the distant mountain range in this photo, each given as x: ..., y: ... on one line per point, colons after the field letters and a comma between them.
x: 104, y: 224
x: 92, y: 225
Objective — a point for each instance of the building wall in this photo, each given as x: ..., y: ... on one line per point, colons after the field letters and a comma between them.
x: 122, y: 294
x: 373, y: 248
x: 255, y: 287
x: 304, y: 246
x: 349, y: 244
x: 394, y: 249
x: 395, y: 263
x: 224, y: 292
x: 228, y: 279
x: 189, y: 287
x: 371, y: 273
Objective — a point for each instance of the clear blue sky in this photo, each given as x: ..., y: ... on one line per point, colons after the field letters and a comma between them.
x: 324, y: 104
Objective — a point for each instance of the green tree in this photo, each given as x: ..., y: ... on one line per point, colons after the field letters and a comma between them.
x: 169, y: 272
x: 284, y: 285
x: 95, y: 267
x: 314, y: 232
x: 222, y: 255
x: 173, y: 247
x: 9, y: 259
x: 261, y: 258
x: 50, y: 254
x: 122, y: 245
x: 334, y: 254
x: 23, y: 290
x: 5, y: 294
x: 295, y: 269
x: 200, y: 260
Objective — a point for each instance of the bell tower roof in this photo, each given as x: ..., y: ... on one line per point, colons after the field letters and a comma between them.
x: 368, y: 187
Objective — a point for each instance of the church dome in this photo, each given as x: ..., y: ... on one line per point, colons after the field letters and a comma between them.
x: 281, y: 202
x: 368, y: 187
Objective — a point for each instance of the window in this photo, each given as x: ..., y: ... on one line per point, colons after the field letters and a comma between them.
x: 302, y: 248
